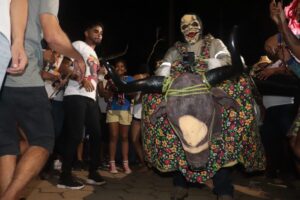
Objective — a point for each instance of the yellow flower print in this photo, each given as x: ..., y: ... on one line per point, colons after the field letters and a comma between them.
x: 181, y: 162
x: 157, y: 142
x: 248, y: 106
x: 240, y: 130
x: 164, y: 143
x: 161, y: 132
x: 239, y: 102
x: 232, y: 114
x: 173, y: 149
x: 203, y: 173
x: 158, y: 101
x: 169, y: 136
x: 248, y: 122
x: 242, y: 114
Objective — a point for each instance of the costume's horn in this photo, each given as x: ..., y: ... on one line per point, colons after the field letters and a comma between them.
x: 220, y: 74
x: 152, y: 84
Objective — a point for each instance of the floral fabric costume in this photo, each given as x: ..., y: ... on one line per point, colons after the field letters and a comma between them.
x: 240, y: 141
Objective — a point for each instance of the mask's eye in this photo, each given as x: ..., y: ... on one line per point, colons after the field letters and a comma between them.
x: 183, y: 27
x: 195, y: 24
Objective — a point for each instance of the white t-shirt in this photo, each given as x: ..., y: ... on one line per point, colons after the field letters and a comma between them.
x: 90, y: 57
x: 5, y: 18
x: 271, y: 100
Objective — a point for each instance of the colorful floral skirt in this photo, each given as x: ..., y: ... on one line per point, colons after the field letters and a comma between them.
x: 240, y: 140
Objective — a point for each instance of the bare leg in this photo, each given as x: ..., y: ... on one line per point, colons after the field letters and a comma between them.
x: 125, y: 148
x: 7, y: 168
x: 80, y: 151
x: 23, y: 141
x: 113, y: 139
x: 125, y: 145
x: 135, y: 138
x: 28, y: 167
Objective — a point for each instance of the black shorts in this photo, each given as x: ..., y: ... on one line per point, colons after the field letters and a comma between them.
x: 30, y: 108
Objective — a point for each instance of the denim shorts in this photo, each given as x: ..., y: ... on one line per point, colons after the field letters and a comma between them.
x: 5, y: 56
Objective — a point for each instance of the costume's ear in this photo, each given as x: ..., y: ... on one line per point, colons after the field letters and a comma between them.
x: 224, y: 99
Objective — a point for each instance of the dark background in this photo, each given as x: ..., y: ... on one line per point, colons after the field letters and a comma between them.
x: 136, y: 23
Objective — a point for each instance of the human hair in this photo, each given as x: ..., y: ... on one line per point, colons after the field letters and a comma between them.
x: 122, y: 61
x: 91, y: 24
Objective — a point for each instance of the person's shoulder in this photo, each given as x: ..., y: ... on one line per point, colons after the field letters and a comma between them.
x: 82, y: 47
x: 214, y: 41
x: 79, y: 43
x: 210, y: 38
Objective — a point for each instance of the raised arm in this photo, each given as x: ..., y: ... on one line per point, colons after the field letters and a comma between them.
x: 278, y: 16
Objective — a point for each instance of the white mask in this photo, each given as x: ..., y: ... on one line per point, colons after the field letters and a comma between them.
x: 191, y: 28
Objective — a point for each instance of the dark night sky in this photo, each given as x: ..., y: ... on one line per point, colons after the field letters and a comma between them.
x: 134, y: 22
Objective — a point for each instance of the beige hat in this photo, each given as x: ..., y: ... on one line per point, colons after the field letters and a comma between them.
x: 263, y: 59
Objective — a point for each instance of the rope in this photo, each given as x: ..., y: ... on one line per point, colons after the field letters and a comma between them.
x: 196, y: 89
x: 202, y: 88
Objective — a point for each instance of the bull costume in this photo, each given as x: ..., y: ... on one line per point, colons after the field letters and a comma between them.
x: 200, y: 123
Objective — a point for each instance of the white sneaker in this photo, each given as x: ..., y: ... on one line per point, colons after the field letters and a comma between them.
x: 57, y: 164
x: 126, y: 167
x: 112, y: 167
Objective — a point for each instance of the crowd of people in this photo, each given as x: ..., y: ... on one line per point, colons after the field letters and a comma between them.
x: 199, y: 115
